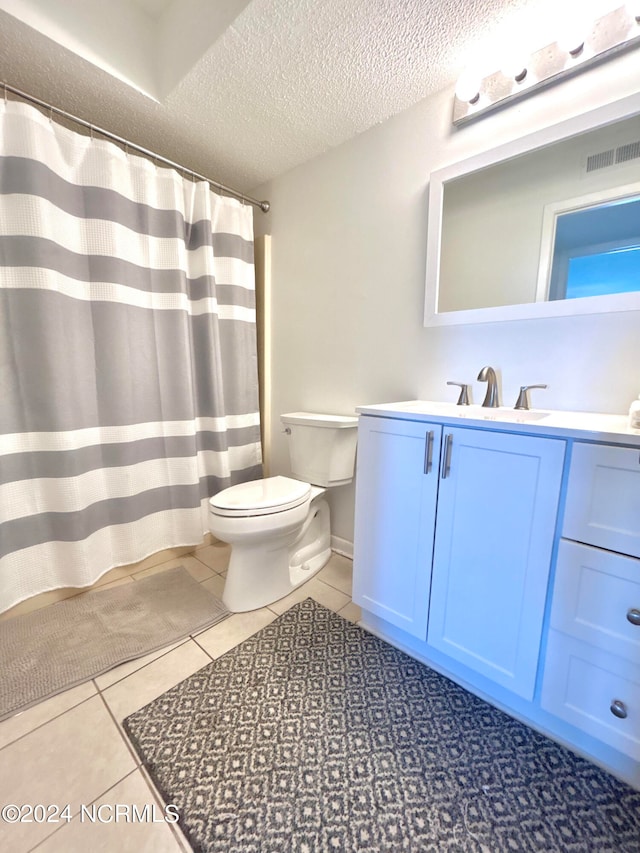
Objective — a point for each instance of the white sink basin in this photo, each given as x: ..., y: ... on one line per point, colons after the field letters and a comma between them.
x: 481, y: 413
x: 518, y: 416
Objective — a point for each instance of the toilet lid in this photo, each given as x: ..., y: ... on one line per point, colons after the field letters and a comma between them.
x: 260, y: 497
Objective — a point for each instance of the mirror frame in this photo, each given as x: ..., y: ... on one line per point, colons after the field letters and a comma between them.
x: 592, y: 120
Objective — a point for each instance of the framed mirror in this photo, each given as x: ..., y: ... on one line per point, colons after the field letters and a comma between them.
x: 547, y: 225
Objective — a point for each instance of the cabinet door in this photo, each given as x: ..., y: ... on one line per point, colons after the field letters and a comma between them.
x: 603, y: 497
x: 396, y: 492
x: 497, y: 508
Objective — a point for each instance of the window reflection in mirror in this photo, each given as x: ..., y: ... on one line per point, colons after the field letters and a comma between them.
x: 596, y: 250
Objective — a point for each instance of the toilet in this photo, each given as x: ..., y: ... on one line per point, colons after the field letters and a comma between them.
x: 278, y: 527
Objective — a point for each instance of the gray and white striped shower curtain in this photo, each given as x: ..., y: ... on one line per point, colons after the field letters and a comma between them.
x: 128, y: 365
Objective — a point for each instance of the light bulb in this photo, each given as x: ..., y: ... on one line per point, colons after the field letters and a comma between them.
x: 573, y: 45
x: 572, y: 37
x: 514, y: 67
x: 468, y: 87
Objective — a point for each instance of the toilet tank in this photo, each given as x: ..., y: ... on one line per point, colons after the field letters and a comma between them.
x: 322, y: 448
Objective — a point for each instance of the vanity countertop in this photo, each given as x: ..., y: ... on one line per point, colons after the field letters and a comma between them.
x: 589, y: 426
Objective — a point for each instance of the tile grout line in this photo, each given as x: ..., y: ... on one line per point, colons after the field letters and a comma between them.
x: 51, y: 719
x: 178, y: 644
x: 215, y: 571
x: 330, y: 585
x: 145, y: 573
x: 75, y: 815
x: 175, y: 829
x: 100, y: 692
x: 211, y: 658
x: 120, y: 729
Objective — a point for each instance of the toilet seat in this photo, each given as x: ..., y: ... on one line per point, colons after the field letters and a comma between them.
x: 260, y: 497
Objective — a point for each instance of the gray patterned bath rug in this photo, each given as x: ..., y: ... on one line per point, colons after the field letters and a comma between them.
x: 50, y: 650
x: 314, y: 736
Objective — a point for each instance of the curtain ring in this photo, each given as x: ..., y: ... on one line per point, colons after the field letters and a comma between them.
x: 5, y: 93
x: 50, y: 115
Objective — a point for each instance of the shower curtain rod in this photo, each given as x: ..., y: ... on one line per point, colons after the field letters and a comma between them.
x: 263, y: 205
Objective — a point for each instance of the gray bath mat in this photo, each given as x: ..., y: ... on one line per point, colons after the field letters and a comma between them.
x: 314, y: 736
x: 50, y: 650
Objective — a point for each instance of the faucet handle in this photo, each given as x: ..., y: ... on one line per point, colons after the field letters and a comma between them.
x: 523, y: 397
x: 463, y: 399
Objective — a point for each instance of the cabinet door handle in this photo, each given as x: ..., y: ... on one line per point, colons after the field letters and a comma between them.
x: 428, y: 452
x: 446, y: 456
x: 618, y: 709
x: 633, y: 616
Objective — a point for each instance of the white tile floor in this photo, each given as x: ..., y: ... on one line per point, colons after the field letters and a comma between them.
x: 71, y: 749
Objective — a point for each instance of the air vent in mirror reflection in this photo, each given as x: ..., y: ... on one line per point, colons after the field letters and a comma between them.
x: 613, y: 156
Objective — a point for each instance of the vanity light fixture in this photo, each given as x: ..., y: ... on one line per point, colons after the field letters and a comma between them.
x: 611, y: 34
x: 468, y: 88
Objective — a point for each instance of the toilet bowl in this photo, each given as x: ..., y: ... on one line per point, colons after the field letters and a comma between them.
x: 279, y: 527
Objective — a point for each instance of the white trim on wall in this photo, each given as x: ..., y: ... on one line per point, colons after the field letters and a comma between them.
x: 342, y: 546
x: 262, y: 251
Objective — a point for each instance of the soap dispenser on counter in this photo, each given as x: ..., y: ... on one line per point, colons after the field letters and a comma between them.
x: 634, y: 414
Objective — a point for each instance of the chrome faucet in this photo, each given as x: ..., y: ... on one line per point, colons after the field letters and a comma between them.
x: 488, y: 375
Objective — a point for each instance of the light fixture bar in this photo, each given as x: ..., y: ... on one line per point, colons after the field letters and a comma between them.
x: 613, y: 33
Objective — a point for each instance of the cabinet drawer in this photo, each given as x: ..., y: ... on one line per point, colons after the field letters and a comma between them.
x: 580, y: 685
x: 596, y: 598
x: 603, y: 497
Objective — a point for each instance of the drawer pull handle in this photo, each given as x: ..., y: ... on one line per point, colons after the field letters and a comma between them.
x: 618, y: 709
x: 634, y: 616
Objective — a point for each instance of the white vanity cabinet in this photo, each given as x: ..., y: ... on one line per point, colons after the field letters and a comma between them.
x: 502, y: 549
x: 453, y: 539
x: 592, y: 666
x: 396, y: 494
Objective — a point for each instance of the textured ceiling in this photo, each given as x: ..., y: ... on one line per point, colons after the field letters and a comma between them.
x: 287, y: 79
